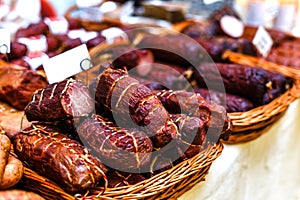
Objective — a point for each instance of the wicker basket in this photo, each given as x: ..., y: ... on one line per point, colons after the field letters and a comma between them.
x: 168, y: 184
x: 253, y: 123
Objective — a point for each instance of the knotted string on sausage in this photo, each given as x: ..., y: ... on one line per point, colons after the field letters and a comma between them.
x: 134, y: 105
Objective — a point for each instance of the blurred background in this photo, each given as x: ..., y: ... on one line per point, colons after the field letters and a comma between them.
x: 277, y: 14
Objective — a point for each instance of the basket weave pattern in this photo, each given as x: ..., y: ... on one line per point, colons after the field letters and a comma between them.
x: 253, y: 123
x: 170, y: 183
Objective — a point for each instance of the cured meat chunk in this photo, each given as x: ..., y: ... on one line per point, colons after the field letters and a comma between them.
x: 232, y: 103
x: 59, y: 158
x: 59, y: 101
x: 242, y: 80
x: 130, y: 149
x: 17, y: 85
x: 133, y: 105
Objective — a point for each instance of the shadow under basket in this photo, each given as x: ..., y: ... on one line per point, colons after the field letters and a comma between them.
x: 168, y: 184
x: 251, y: 124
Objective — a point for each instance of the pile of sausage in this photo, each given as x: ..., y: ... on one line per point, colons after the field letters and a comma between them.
x: 157, y: 103
x: 125, y: 134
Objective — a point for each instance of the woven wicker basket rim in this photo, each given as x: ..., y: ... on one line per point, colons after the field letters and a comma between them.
x: 288, y: 71
x: 271, y: 109
x: 185, y: 174
x: 250, y: 134
x: 264, y: 112
x: 251, y: 124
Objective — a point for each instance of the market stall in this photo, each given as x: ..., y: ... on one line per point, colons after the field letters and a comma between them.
x: 149, y: 100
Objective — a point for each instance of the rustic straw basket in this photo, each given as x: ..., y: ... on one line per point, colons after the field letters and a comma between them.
x: 168, y: 184
x: 251, y: 124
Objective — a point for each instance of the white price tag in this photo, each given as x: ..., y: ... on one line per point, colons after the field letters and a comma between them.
x: 36, y: 61
x: 263, y: 41
x: 35, y: 44
x: 4, y: 41
x: 57, y: 25
x: 114, y: 35
x: 82, y: 34
x: 66, y: 64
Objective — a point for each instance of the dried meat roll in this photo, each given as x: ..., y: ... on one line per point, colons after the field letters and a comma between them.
x: 246, y: 81
x: 212, y: 115
x: 18, y: 84
x: 55, y: 156
x: 118, y: 148
x: 133, y: 105
x: 60, y: 101
x: 232, y: 103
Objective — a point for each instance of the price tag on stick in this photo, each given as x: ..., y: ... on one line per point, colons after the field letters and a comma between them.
x: 263, y: 41
x: 66, y: 64
x: 4, y: 41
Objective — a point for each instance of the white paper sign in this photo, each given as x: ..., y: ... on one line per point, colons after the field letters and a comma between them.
x: 66, y: 64
x: 114, y: 34
x: 37, y: 61
x: 82, y: 34
x: 263, y: 41
x: 57, y: 25
x: 4, y: 41
x: 35, y: 44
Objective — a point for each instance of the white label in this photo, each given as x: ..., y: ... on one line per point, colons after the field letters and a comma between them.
x: 114, y: 35
x: 4, y: 41
x: 66, y: 64
x: 82, y: 34
x: 57, y: 25
x: 35, y: 44
x: 36, y: 61
x: 263, y: 41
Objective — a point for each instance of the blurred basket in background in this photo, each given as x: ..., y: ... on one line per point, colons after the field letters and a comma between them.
x: 253, y: 123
